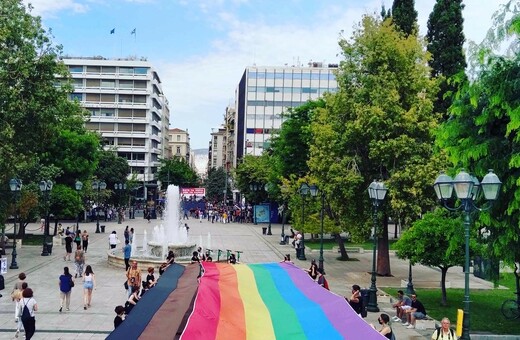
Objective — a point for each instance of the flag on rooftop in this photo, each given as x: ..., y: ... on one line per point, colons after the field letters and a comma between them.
x: 112, y: 31
x: 133, y: 31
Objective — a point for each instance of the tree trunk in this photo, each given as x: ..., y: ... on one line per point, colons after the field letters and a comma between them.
x: 55, y: 226
x: 383, y: 256
x: 341, y: 244
x: 396, y: 224
x: 444, y: 271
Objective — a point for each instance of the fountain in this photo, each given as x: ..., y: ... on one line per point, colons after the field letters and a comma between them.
x: 172, y: 236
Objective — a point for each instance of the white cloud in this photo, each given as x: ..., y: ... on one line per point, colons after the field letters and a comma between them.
x: 49, y: 8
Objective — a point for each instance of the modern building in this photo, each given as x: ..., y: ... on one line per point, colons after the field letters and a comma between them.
x: 263, y: 93
x: 179, y: 141
x: 128, y: 109
x: 217, y: 148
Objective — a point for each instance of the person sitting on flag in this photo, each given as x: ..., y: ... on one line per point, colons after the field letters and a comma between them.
x: 322, y: 281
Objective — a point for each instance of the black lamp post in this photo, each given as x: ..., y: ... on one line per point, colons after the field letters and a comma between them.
x: 409, y: 285
x: 16, y: 186
x: 98, y: 186
x: 467, y: 189
x: 79, y: 186
x: 314, y: 192
x: 119, y: 187
x: 377, y: 192
x: 45, y: 188
x: 282, y: 211
x: 267, y: 187
x: 254, y: 187
x: 304, y: 192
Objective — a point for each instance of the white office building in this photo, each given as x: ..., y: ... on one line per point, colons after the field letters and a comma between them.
x: 265, y: 92
x: 128, y: 109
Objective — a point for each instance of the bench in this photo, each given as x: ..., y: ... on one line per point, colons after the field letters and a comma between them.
x: 352, y: 250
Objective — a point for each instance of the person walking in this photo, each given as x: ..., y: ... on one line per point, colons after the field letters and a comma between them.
x: 126, y: 234
x: 79, y: 261
x: 68, y: 245
x: 89, y: 283
x: 133, y: 277
x: 29, y: 322
x: 77, y: 237
x: 127, y: 251
x: 113, y: 240
x: 17, y: 298
x: 84, y: 240
x: 65, y: 283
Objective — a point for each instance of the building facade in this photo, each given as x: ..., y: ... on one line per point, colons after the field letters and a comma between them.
x: 179, y: 141
x: 128, y: 109
x: 217, y: 148
x: 263, y: 93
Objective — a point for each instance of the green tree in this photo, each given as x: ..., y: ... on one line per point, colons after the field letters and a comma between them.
x: 445, y: 43
x: 253, y: 169
x: 404, y: 16
x: 215, y: 184
x: 436, y: 240
x: 377, y: 127
x: 177, y: 171
x: 482, y: 134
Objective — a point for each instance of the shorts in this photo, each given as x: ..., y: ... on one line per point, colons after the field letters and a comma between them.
x: 88, y: 284
x: 419, y: 315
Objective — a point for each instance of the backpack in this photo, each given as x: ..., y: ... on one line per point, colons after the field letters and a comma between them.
x: 2, y: 284
x: 439, y: 333
x: 26, y: 314
x: 362, y: 306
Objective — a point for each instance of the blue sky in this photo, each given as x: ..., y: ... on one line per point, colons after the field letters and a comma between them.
x: 201, y: 47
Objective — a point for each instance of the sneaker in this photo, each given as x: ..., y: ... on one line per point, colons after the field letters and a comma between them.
x: 410, y: 327
x: 406, y: 324
x: 395, y: 318
x: 68, y: 308
x: 85, y: 307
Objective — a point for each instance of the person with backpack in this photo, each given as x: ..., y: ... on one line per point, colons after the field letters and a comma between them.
x: 28, y: 307
x: 444, y: 332
x: 65, y: 283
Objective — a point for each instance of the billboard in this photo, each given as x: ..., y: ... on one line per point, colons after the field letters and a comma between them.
x: 193, y: 191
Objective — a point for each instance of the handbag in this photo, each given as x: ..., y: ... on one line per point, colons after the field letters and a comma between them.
x: 71, y: 282
x: 125, y: 285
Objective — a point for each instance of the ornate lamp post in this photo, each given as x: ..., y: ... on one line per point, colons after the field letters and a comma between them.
x: 119, y: 187
x: 467, y: 189
x: 98, y: 186
x: 409, y: 285
x: 16, y: 186
x: 377, y: 192
x: 314, y: 192
x: 79, y: 186
x: 254, y: 187
x: 281, y: 210
x: 45, y: 188
x: 304, y: 192
x: 267, y: 187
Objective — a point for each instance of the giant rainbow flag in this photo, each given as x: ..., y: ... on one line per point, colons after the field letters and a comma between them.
x: 269, y: 301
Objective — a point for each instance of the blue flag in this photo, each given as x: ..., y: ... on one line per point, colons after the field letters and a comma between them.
x: 112, y: 31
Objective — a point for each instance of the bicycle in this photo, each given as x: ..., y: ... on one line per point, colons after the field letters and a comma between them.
x: 511, y: 308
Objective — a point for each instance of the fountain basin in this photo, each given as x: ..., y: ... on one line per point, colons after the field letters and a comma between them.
x: 180, y: 250
x: 143, y: 262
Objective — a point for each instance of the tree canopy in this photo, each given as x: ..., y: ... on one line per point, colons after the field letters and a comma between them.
x: 404, y: 16
x: 178, y: 172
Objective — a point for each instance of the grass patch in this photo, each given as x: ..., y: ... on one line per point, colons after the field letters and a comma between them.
x: 485, y: 308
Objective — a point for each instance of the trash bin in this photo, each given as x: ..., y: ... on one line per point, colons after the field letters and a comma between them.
x: 48, y: 244
x: 102, y: 227
x: 365, y: 296
x: 264, y: 230
x: 286, y: 239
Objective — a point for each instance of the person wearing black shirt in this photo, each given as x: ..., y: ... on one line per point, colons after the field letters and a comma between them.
x: 120, y: 317
x: 416, y: 312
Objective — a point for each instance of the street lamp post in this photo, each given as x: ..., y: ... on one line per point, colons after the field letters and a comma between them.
x: 119, y: 187
x: 282, y: 210
x: 45, y: 188
x: 409, y: 285
x: 467, y: 189
x: 304, y: 192
x: 267, y: 187
x: 98, y: 186
x: 16, y: 186
x: 254, y: 187
x: 314, y: 192
x: 377, y: 192
x: 79, y: 186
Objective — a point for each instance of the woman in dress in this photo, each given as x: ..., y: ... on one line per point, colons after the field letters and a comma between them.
x: 89, y: 283
x: 64, y: 283
x: 29, y: 301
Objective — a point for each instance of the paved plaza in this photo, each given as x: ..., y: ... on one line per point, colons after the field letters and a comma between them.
x: 97, y: 321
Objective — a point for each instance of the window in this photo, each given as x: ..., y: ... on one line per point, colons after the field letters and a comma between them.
x: 178, y: 150
x: 108, y: 69
x: 108, y: 83
x: 108, y: 98
x: 126, y: 70
x: 124, y: 127
x: 108, y: 112
x: 140, y: 84
x: 92, y: 83
x: 141, y: 70
x: 93, y: 97
x: 140, y: 99
x: 141, y: 128
x: 124, y: 113
x: 139, y: 113
x: 126, y: 84
x: 76, y: 96
x: 93, y: 69
x: 109, y: 127
x: 76, y: 69
x: 139, y: 142
x: 125, y: 98
x: 78, y: 83
x: 178, y: 138
x: 124, y: 141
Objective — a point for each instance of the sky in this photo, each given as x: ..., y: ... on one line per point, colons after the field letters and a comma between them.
x: 200, y: 48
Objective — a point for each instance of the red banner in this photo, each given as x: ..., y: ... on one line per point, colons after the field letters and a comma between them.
x: 193, y: 191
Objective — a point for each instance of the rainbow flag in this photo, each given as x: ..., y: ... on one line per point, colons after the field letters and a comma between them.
x: 269, y: 301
